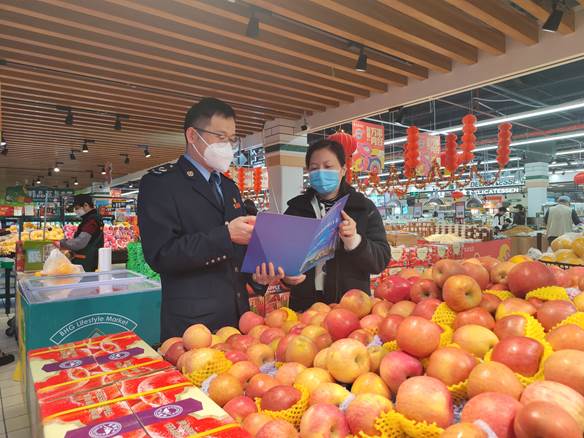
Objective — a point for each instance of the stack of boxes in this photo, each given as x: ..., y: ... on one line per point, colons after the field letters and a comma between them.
x: 118, y: 386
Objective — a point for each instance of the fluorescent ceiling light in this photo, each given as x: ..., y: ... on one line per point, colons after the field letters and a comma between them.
x: 570, y: 152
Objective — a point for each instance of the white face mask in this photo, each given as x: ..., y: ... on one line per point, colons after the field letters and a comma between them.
x: 79, y: 212
x: 217, y: 156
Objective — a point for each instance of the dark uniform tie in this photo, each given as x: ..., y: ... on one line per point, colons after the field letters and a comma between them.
x: 215, y: 181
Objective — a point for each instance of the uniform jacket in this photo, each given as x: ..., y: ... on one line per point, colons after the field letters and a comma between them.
x: 349, y: 269
x: 87, y: 257
x: 560, y: 220
x: 185, y: 239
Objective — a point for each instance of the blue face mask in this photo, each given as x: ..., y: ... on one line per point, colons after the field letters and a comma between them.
x: 325, y: 181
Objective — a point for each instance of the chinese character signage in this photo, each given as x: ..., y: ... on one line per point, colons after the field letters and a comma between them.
x: 370, y: 152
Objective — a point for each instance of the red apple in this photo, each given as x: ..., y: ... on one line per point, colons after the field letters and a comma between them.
x: 197, y: 336
x: 241, y: 342
x: 561, y: 395
x: 371, y: 323
x: 493, y: 377
x: 566, y: 337
x: 490, y: 302
x: 393, y: 289
x: 302, y: 350
x: 297, y: 328
x: 240, y: 407
x: 323, y: 341
x: 258, y: 331
x: 461, y: 292
x: 512, y: 305
x: 236, y: 356
x: 567, y: 367
x: 489, y: 262
x: 535, y: 302
x: 347, y: 359
x: 499, y: 286
x: 270, y: 334
x: 254, y: 422
x: 402, y: 308
x: 340, y: 323
x: 288, y: 372
x: 323, y: 420
x: 519, y: 353
x: 553, y: 312
x: 413, y: 397
x: 259, y: 384
x: 408, y: 273
x: 320, y: 307
x: 370, y: 383
x: 450, y: 365
x: 464, y: 430
x: 495, y: 409
x: 418, y: 336
x: 477, y: 315
x: 224, y: 388
x: 167, y: 344
x: 424, y: 288
x: 276, y: 318
x: 376, y: 354
x: 277, y: 428
x: 512, y: 325
x: 364, y: 410
x: 244, y: 371
x: 357, y: 302
x: 388, y: 327
x: 307, y: 316
x: 280, y: 397
x: 260, y: 354
x: 174, y: 352
x: 398, y: 366
x: 329, y: 392
x: 500, y: 273
x: 478, y: 273
x: 475, y: 339
x: 528, y: 276
x: 249, y: 320
x: 426, y: 308
x: 313, y: 331
x: 312, y: 378
x: 546, y: 420
x: 443, y: 269
x: 362, y: 336
x: 381, y: 308
x: 563, y: 278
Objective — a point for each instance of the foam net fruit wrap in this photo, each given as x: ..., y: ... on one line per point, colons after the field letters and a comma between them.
x: 533, y: 328
x: 444, y: 315
x: 501, y: 294
x: 575, y: 318
x: 219, y: 365
x: 292, y: 415
x: 549, y: 293
x: 392, y: 424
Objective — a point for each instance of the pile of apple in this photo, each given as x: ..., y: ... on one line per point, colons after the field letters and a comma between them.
x: 341, y: 355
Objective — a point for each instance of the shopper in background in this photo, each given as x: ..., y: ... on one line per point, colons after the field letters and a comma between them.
x: 519, y: 217
x: 194, y: 227
x: 560, y: 218
x: 499, y: 223
x: 250, y: 207
x: 88, y: 238
x: 363, y: 249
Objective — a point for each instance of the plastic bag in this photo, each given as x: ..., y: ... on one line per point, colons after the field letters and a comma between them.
x: 58, y: 264
x: 534, y: 253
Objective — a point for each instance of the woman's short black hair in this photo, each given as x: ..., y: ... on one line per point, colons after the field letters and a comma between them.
x: 331, y: 145
x: 81, y: 200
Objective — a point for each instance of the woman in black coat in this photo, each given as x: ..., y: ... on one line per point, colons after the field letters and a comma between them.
x: 362, y: 250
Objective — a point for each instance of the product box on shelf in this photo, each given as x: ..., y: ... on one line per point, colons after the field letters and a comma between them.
x: 397, y: 238
x: 128, y: 426
x: 276, y: 296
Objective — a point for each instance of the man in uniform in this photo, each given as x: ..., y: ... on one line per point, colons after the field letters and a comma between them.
x: 194, y: 228
x: 88, y: 238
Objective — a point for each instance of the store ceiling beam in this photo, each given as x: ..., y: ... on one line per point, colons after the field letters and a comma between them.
x: 451, y: 21
x: 163, y: 23
x: 541, y: 9
x: 393, y: 22
x: 503, y: 17
x: 357, y: 31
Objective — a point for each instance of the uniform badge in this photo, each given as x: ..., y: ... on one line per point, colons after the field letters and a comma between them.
x: 236, y: 204
x: 190, y: 173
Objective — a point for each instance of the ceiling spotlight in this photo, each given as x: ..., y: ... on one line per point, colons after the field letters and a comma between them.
x: 84, y: 148
x: 75, y: 182
x: 118, y: 123
x: 72, y: 155
x: 3, y: 142
x: 102, y: 170
x: 38, y: 180
x: 253, y: 26
x: 127, y: 159
x: 553, y: 22
x: 50, y: 172
x: 69, y: 117
x: 131, y: 185
x: 56, y: 168
x: 361, y: 61
x: 147, y: 153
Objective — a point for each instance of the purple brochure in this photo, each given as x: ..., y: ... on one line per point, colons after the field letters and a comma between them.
x: 295, y: 243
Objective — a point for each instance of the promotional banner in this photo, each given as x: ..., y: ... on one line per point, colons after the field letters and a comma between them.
x: 370, y: 153
x: 429, y: 147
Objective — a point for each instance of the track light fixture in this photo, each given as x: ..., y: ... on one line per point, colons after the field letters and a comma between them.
x: 127, y: 159
x: 75, y: 182
x: 72, y: 155
x: 102, y: 171
x: 38, y: 180
x: 253, y: 26
x: 50, y: 172
x: 555, y: 18
x: 69, y: 119
x: 118, y: 123
x: 3, y: 142
x: 146, y: 151
x: 85, y: 148
x: 362, y: 60
x: 57, y: 168
x: 131, y: 185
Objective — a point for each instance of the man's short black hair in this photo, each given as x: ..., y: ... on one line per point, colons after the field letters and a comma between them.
x: 331, y: 145
x: 200, y: 113
x: 81, y: 200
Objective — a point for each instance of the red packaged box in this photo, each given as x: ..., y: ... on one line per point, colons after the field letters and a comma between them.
x: 123, y: 427
x: 135, y: 353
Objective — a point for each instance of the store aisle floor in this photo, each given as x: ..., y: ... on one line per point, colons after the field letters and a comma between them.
x: 13, y: 413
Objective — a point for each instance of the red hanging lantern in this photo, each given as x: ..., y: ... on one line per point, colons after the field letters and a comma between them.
x: 579, y: 178
x: 349, y: 144
x: 241, y: 179
x: 450, y: 154
x: 227, y: 173
x: 457, y: 195
x: 411, y: 152
x: 257, y: 180
x: 468, y: 137
x: 504, y: 143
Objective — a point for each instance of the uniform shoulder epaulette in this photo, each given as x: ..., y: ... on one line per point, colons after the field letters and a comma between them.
x: 162, y: 170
